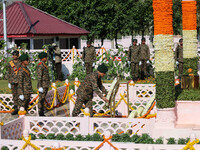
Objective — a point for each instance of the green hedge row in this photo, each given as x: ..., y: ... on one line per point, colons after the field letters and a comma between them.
x: 190, y: 63
x: 124, y: 137
x: 165, y: 90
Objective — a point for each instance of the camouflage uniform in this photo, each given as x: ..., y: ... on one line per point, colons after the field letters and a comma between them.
x: 179, y: 58
x: 85, y: 92
x: 133, y: 57
x: 144, y: 57
x: 12, y: 79
x: 44, y: 82
x: 24, y: 86
x: 89, y: 57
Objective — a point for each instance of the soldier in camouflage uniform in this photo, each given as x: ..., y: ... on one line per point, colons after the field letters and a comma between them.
x: 43, y: 81
x: 92, y: 83
x: 133, y: 57
x: 89, y: 57
x: 24, y: 82
x: 179, y: 56
x: 144, y: 57
x: 12, y: 70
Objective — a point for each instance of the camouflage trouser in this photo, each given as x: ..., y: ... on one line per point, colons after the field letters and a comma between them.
x: 180, y: 69
x: 89, y: 68
x: 144, y: 67
x: 134, y: 69
x: 25, y: 102
x: 42, y: 99
x: 79, y: 104
x: 14, y: 93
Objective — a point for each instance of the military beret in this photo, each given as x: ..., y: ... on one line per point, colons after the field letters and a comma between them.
x: 102, y: 68
x: 15, y: 52
x: 42, y: 55
x: 24, y: 57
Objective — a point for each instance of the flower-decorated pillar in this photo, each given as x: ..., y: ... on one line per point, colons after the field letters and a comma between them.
x: 164, y: 55
x: 189, y: 21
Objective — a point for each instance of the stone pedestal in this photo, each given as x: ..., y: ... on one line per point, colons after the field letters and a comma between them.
x: 165, y: 118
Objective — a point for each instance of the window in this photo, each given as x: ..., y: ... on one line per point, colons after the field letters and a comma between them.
x: 38, y: 43
x: 74, y: 42
x: 64, y: 44
x: 18, y: 42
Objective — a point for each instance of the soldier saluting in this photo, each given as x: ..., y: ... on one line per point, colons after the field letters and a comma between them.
x: 24, y: 82
x: 12, y: 70
x: 133, y: 57
x: 43, y: 81
x: 91, y: 83
x: 89, y: 57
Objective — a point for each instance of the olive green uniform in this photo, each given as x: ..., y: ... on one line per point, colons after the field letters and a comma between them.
x: 89, y: 57
x: 44, y: 82
x: 24, y: 86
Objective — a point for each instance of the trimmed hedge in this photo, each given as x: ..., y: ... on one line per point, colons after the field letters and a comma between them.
x: 190, y: 63
x: 165, y: 90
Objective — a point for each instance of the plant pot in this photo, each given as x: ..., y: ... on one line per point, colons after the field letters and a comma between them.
x: 165, y: 117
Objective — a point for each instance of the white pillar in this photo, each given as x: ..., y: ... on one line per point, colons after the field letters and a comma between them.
x: 71, y: 104
x: 26, y: 135
x: 106, y: 146
x: 5, y: 28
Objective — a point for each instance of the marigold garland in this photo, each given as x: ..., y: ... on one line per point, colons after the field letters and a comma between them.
x: 163, y: 17
x: 189, y: 15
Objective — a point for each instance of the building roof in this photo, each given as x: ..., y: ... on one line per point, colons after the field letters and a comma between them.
x: 24, y: 20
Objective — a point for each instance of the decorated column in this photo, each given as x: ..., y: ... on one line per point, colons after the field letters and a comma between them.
x: 164, y: 55
x: 189, y: 17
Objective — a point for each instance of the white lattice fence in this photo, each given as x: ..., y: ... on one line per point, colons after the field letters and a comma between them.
x: 46, y: 125
x: 89, y: 145
x: 86, y: 125
x: 13, y: 129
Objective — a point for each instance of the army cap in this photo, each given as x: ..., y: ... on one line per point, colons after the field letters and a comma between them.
x: 42, y: 55
x: 102, y: 68
x: 15, y: 52
x: 24, y: 57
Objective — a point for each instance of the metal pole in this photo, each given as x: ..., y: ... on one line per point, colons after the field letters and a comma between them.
x: 4, y: 27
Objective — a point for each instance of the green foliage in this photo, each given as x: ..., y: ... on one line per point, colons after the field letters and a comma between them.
x: 187, y: 94
x: 159, y: 141
x: 4, y: 148
x: 171, y: 141
x: 42, y: 136
x: 165, y: 91
x: 51, y: 136
x: 177, y: 17
x: 190, y: 63
x: 79, y: 137
x: 115, y: 67
x: 145, y: 139
x: 97, y: 137
x: 69, y: 137
x: 60, y: 137
x: 33, y: 137
x: 78, y: 70
x: 182, y: 141
x: 134, y: 137
x: 88, y: 138
x: 115, y: 137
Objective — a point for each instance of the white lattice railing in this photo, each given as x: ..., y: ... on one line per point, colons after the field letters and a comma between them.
x: 139, y: 95
x: 88, y: 145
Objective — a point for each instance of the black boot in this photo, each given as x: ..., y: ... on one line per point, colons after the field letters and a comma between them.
x: 41, y: 113
x: 15, y: 112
